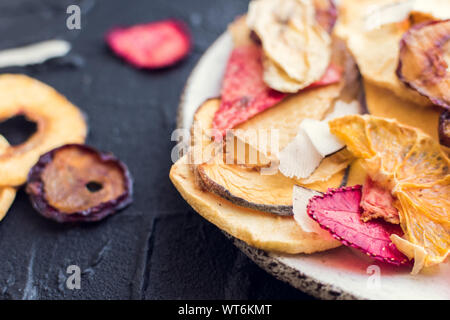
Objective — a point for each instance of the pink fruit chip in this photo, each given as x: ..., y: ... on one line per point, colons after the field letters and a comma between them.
x: 153, y: 45
x: 339, y: 212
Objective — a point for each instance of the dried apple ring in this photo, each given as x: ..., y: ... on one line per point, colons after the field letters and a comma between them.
x: 77, y: 183
x: 58, y: 122
x: 7, y: 194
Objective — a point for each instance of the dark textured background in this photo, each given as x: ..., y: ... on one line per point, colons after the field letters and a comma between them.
x: 158, y: 248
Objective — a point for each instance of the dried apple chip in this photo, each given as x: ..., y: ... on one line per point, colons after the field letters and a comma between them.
x: 414, y: 168
x: 292, y: 39
x: 58, y: 122
x: 77, y: 183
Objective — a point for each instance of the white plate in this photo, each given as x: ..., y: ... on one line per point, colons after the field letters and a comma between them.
x: 341, y: 273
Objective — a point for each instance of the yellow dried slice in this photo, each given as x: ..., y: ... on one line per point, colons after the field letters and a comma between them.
x: 416, y: 170
x: 7, y: 194
x: 249, y: 188
x: 259, y: 229
x: 58, y: 122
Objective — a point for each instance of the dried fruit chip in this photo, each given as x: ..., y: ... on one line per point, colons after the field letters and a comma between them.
x: 153, y: 45
x: 414, y: 168
x: 338, y: 211
x: 7, y: 194
x: 424, y: 60
x: 249, y: 188
x: 77, y: 183
x: 291, y: 38
x: 58, y: 122
x: 444, y: 128
x: 259, y: 229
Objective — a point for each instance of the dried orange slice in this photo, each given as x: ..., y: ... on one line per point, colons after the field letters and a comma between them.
x: 58, y: 122
x: 414, y: 168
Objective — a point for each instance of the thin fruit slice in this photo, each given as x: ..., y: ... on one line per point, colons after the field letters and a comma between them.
x: 444, y: 128
x: 58, y: 122
x: 7, y: 194
x: 77, y: 183
x: 152, y: 45
x: 258, y: 229
x: 377, y: 202
x: 424, y: 60
x: 291, y: 38
x: 338, y: 211
x: 252, y: 189
x: 414, y: 168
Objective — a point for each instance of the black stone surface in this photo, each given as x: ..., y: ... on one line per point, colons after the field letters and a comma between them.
x: 158, y: 248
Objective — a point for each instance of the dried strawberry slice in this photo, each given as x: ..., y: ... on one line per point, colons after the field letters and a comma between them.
x: 244, y: 93
x: 77, y: 183
x: 339, y: 212
x: 153, y: 45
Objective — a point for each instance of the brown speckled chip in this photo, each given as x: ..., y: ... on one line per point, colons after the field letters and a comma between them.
x: 78, y: 183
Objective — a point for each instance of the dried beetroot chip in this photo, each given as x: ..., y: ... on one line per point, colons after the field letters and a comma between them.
x: 153, y: 45
x: 244, y: 93
x: 339, y: 212
x: 77, y: 183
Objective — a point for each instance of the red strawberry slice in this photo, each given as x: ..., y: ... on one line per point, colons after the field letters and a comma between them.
x: 339, y: 212
x: 153, y: 45
x: 244, y: 93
